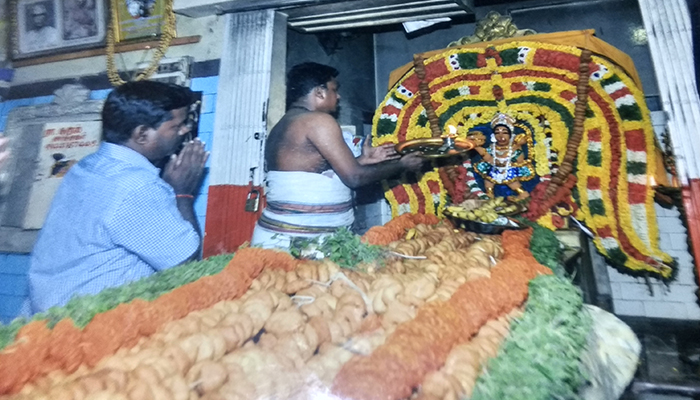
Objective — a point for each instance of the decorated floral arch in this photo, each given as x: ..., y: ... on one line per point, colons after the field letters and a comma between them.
x: 535, y: 82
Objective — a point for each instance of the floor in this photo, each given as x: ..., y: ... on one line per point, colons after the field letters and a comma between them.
x: 670, y: 363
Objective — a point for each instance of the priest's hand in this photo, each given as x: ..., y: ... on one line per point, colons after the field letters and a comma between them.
x: 375, y: 155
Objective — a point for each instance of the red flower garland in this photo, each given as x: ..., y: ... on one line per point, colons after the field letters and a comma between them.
x: 539, y: 205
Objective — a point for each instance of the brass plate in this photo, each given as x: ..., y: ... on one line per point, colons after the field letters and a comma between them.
x: 482, y: 227
x: 433, y: 147
x: 521, y: 208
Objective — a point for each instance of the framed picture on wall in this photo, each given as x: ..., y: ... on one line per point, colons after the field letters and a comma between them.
x: 42, y: 27
x: 137, y: 19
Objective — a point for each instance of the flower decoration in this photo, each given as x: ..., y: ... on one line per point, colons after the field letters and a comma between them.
x: 536, y: 82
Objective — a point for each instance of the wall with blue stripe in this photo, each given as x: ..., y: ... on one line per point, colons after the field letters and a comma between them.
x: 14, y: 288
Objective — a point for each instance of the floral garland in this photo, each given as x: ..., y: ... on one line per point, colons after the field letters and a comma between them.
x: 542, y: 354
x: 537, y: 82
x: 427, y: 196
x: 557, y: 189
x: 426, y: 340
x: 38, y: 349
x: 623, y: 218
x: 451, y: 184
x: 396, y: 228
x: 421, y: 345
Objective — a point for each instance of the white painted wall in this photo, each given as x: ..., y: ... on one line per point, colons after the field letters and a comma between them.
x: 211, y: 30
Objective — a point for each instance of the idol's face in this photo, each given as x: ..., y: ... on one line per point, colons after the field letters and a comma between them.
x: 502, y: 134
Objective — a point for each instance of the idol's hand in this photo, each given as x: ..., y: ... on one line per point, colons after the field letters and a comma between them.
x: 482, y: 152
x: 478, y: 138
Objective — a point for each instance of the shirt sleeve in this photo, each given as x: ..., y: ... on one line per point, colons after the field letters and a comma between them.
x: 148, y: 224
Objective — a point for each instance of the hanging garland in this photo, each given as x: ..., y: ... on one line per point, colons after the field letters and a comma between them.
x: 538, y: 84
x: 166, y: 36
x: 546, y: 199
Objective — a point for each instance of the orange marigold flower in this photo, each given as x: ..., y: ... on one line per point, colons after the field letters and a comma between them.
x: 64, y: 345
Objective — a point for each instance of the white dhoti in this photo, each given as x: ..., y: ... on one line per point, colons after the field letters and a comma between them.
x: 302, y: 204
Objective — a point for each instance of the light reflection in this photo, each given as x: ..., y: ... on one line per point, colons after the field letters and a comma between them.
x: 638, y: 36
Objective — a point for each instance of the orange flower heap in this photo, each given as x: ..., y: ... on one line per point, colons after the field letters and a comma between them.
x: 38, y: 350
x: 421, y: 345
x: 396, y: 228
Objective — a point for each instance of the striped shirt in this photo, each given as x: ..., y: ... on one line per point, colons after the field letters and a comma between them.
x: 113, y: 220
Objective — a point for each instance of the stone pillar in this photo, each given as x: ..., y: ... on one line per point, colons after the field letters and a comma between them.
x: 668, y: 27
x: 252, y: 59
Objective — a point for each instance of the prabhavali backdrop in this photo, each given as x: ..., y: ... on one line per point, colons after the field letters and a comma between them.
x: 535, y: 81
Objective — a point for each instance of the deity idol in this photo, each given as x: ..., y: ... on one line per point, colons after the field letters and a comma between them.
x: 503, y: 162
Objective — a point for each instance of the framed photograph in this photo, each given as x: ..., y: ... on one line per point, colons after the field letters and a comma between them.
x: 137, y: 19
x: 42, y: 27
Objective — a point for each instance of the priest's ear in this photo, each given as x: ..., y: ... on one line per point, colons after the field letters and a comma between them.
x: 320, y: 92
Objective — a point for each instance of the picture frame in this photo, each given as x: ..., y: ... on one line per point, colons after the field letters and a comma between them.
x: 43, y: 27
x: 137, y: 19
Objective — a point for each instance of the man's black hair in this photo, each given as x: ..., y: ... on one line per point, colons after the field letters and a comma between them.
x: 145, y: 103
x: 303, y: 78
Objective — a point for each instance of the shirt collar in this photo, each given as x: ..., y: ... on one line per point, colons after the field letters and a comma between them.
x: 127, y: 155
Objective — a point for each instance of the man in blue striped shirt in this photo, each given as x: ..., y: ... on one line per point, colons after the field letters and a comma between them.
x: 116, y: 217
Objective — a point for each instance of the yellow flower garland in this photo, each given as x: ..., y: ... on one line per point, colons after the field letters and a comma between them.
x: 585, y: 170
x: 546, y: 222
x: 389, y: 194
x: 651, y: 249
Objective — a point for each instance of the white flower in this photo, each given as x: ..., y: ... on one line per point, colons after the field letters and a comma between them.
x: 392, y: 102
x: 404, y: 92
x: 454, y: 62
x: 614, y: 87
x: 522, y: 54
x: 626, y: 100
x: 600, y: 73
x: 391, y: 117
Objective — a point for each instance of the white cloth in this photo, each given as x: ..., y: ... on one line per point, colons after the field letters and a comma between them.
x: 611, y: 357
x: 325, y: 203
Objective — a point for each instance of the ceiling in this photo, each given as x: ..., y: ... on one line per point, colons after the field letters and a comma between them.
x: 329, y: 15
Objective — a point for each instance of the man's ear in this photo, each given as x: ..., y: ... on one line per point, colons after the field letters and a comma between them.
x: 141, y: 135
x: 320, y: 92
